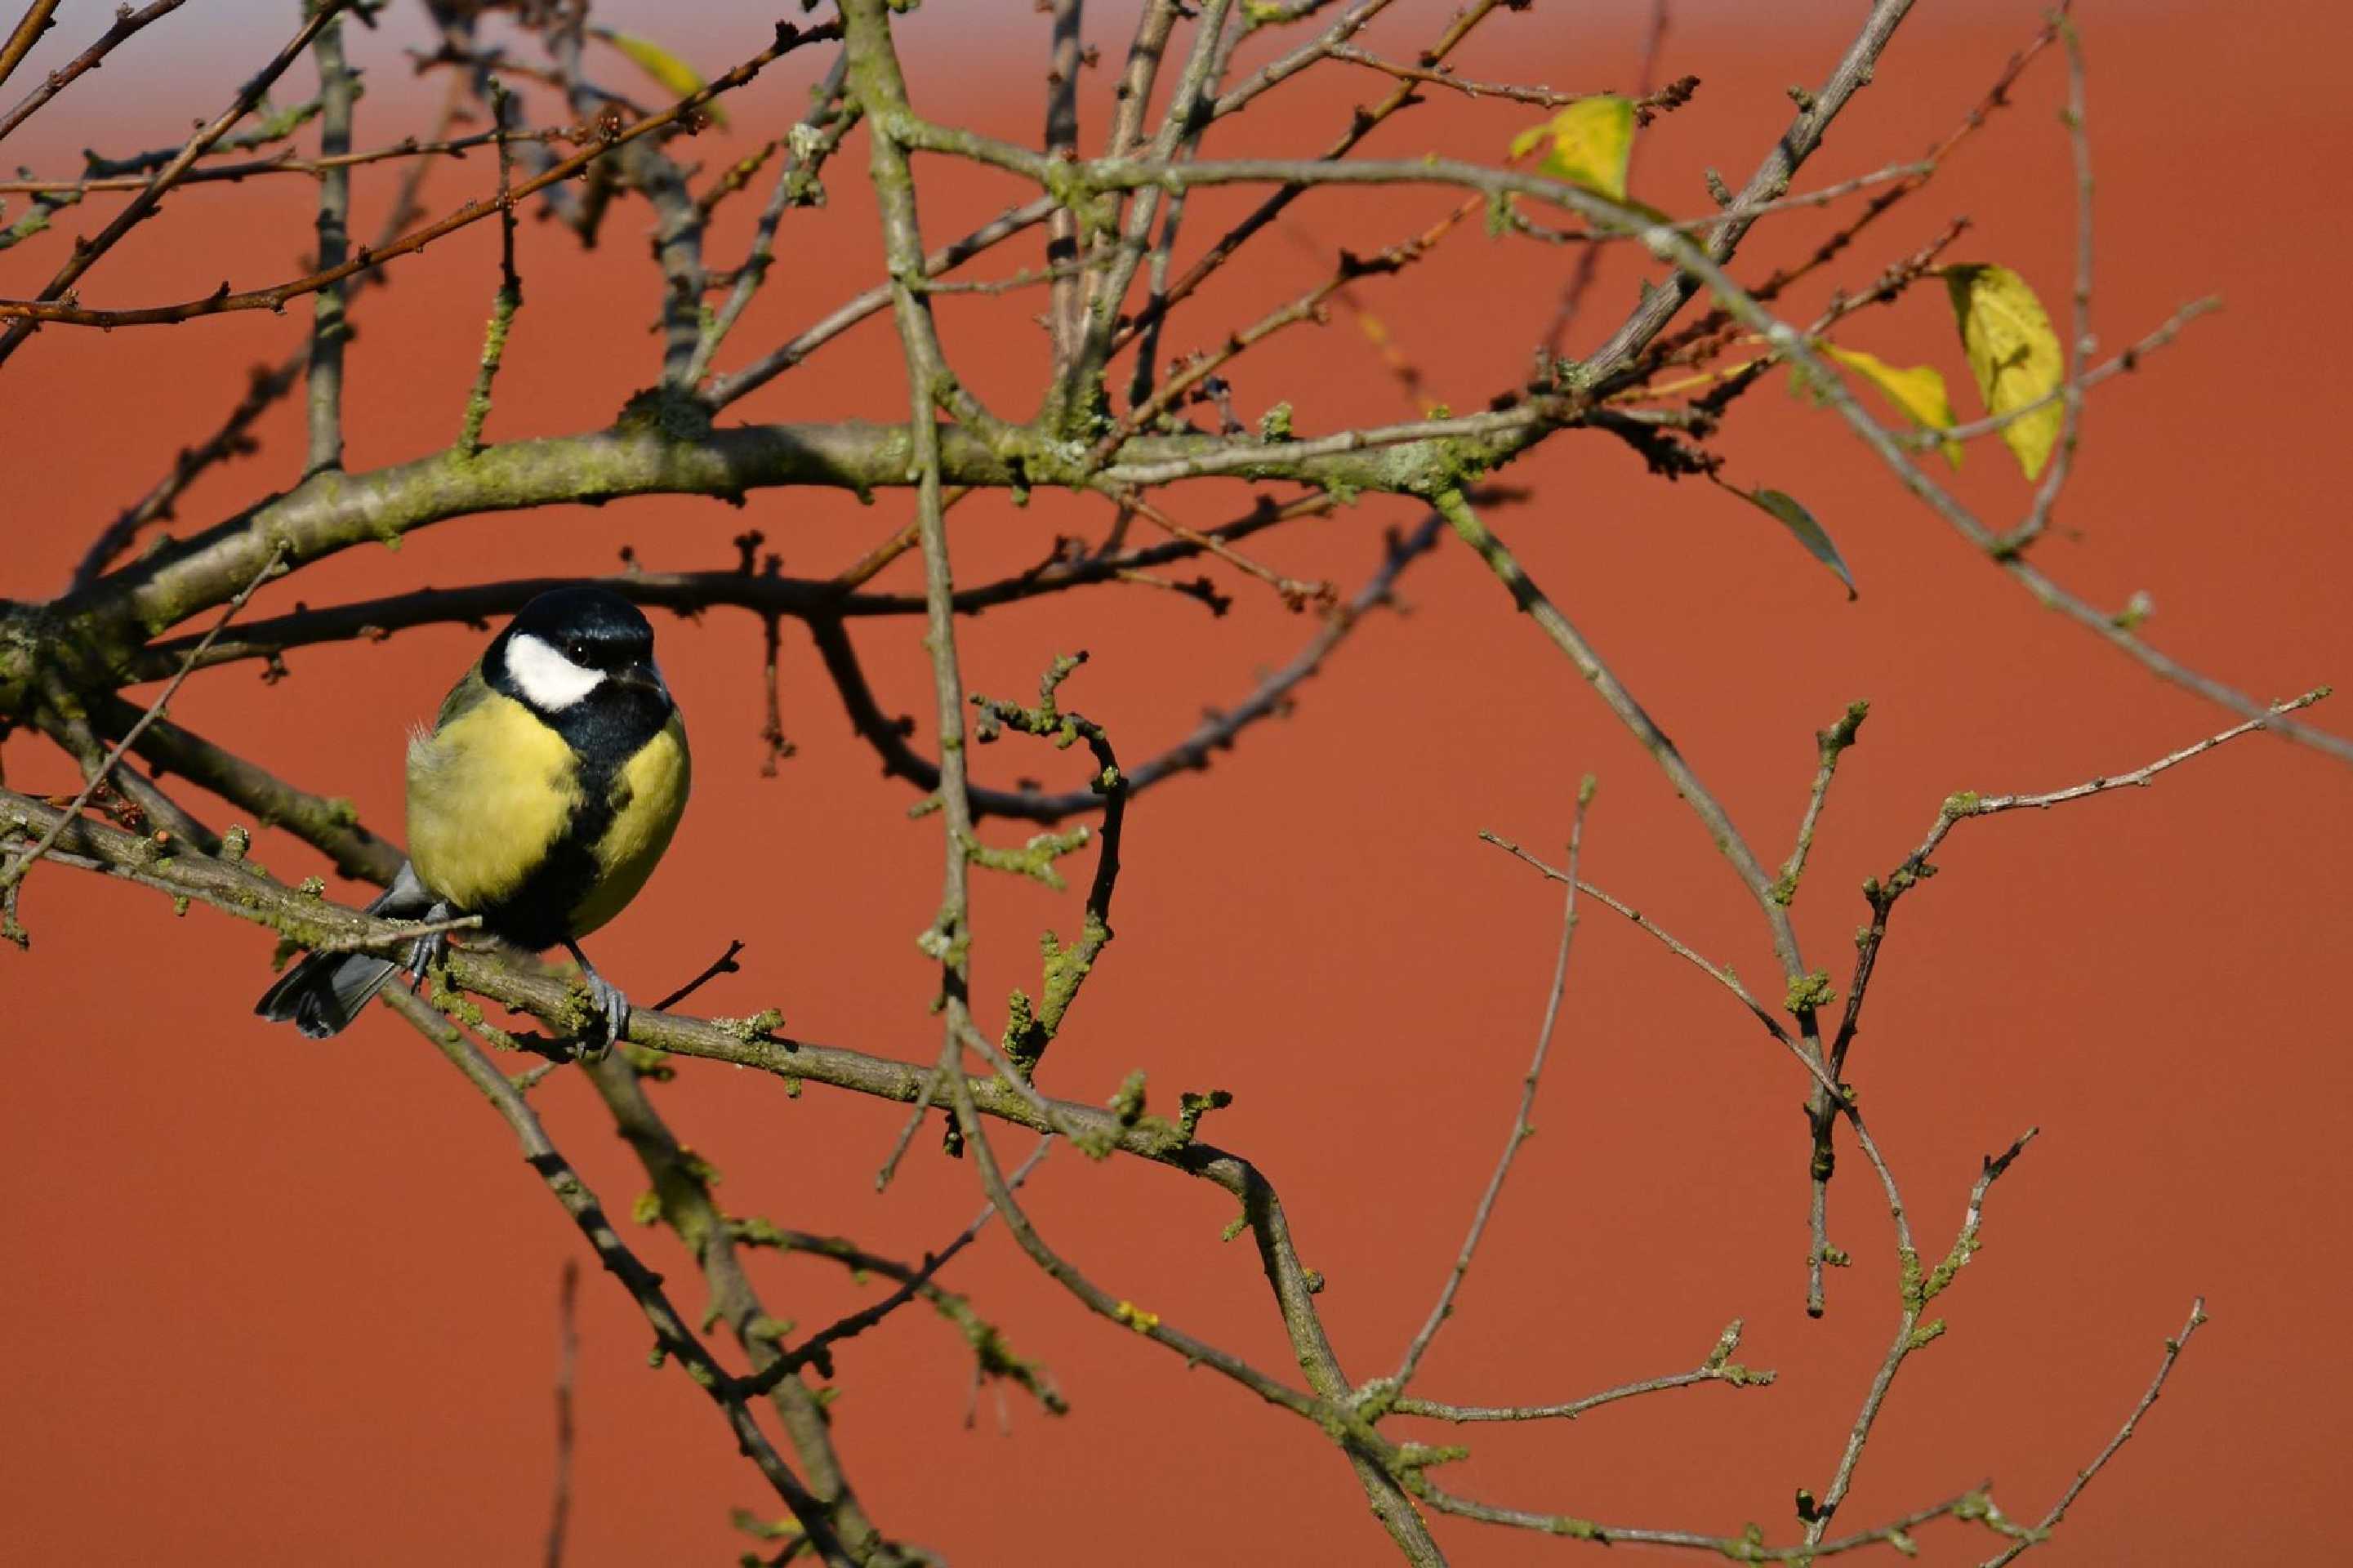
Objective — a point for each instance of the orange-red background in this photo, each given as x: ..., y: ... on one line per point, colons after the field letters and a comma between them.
x: 272, y: 1299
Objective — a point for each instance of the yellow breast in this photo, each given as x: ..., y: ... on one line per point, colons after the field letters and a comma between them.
x: 648, y: 796
x: 488, y: 794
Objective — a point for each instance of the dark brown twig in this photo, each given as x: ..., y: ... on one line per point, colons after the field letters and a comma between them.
x: 38, y: 18
x: 568, y: 1363
x: 49, y: 307
x: 85, y: 253
x: 126, y: 23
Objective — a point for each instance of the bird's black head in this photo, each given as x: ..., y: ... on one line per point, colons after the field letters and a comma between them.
x: 592, y: 627
x: 576, y: 647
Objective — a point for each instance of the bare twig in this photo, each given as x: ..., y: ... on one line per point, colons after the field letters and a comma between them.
x: 725, y: 389
x: 423, y: 149
x: 1216, y: 734
x: 1920, y: 1285
x: 1066, y: 305
x: 2081, y: 343
x: 1589, y: 261
x: 1522, y: 1127
x: 50, y: 305
x: 338, y: 90
x: 504, y: 302
x: 807, y: 146
x: 265, y: 387
x: 991, y: 1356
x: 672, y: 1336
x: 1829, y: 745
x: 1543, y: 97
x: 817, y: 1349
x: 15, y: 874
x: 2173, y: 1349
x: 1719, y: 1367
x: 723, y: 964
x: 126, y: 23
x: 86, y: 255
x: 568, y: 1363
x: 38, y: 18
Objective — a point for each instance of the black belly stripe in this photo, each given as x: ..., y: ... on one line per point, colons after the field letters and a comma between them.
x: 604, y: 730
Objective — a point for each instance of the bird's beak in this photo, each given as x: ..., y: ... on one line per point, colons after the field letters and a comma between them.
x: 644, y: 677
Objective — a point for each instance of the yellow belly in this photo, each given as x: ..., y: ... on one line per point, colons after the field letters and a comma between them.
x: 650, y: 793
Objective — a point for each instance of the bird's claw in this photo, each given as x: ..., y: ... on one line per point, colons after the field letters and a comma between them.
x: 613, y: 1010
x: 426, y: 951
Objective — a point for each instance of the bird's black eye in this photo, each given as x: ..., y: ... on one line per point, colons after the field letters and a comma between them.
x: 576, y: 651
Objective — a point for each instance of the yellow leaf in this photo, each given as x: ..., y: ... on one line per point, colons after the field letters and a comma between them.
x: 675, y: 75
x: 2015, y: 355
x: 1918, y: 392
x: 1588, y: 145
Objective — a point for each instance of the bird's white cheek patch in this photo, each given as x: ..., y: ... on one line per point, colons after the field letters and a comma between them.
x: 548, y: 679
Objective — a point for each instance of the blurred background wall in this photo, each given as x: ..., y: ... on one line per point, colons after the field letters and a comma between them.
x: 274, y: 1299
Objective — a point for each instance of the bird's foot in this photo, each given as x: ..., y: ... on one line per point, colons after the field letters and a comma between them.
x: 426, y: 950
x: 614, y: 1007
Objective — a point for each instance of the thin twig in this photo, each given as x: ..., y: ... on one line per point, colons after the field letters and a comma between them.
x: 15, y: 873
x: 338, y: 91
x: 807, y: 145
x: 1884, y: 894
x: 567, y: 1363
x: 1798, y: 1049
x: 86, y: 255
x: 266, y: 386
x: 48, y: 306
x: 1523, y: 1128
x: 1543, y: 97
x: 126, y: 21
x: 38, y: 18
x: 991, y: 1357
x: 426, y: 149
x: 1066, y: 305
x: 2081, y: 343
x: 1919, y: 1285
x: 1719, y: 1367
x: 1829, y: 745
x: 673, y: 1338
x: 2173, y: 1349
x: 397, y: 936
x: 504, y: 302
x: 1217, y: 732
x: 1362, y: 124
x: 880, y: 90
x: 723, y: 964
x: 1589, y: 261
x: 725, y: 389
x: 817, y: 1350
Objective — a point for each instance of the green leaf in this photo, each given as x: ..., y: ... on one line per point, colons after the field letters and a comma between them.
x: 2014, y: 353
x: 675, y: 75
x: 1794, y: 517
x: 1587, y: 144
x: 1917, y: 393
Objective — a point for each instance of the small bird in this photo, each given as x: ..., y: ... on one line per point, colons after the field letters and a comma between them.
x: 540, y: 799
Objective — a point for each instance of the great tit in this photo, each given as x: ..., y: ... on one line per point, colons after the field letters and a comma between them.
x: 547, y: 788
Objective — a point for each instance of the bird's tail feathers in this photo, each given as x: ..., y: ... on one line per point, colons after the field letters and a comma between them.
x: 321, y: 995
